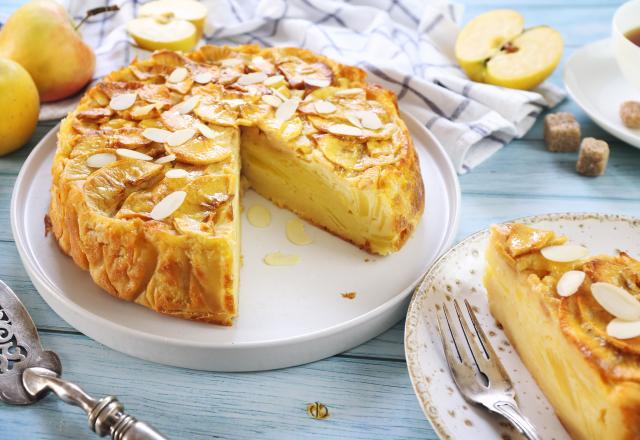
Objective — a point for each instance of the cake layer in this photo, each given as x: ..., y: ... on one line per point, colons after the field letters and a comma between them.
x: 357, y: 210
x: 591, y: 401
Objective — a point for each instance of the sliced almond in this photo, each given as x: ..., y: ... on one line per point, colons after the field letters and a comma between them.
x: 179, y: 74
x: 621, y: 329
x: 349, y: 92
x: 318, y: 82
x: 344, y: 130
x: 279, y: 94
x: 187, y: 105
x: 280, y: 259
x: 251, y: 78
x: 569, y: 282
x: 176, y: 173
x: 296, y: 233
x: 616, y: 301
x: 122, y: 101
x: 132, y: 154
x: 287, y: 109
x: 273, y: 80
x: 231, y: 62
x: 272, y: 100
x: 564, y: 253
x: 203, y: 77
x: 101, y: 159
x: 324, y: 107
x: 156, y: 134
x: 180, y: 137
x: 205, y: 130
x: 168, y: 205
x: 370, y: 120
x: 261, y: 64
x: 259, y: 216
x: 166, y: 159
x: 233, y: 103
x: 354, y: 120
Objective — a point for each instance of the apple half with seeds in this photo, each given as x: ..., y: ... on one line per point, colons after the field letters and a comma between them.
x: 495, y: 48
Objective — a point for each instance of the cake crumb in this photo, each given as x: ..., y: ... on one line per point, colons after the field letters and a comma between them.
x: 349, y: 295
x: 630, y: 114
x: 47, y: 225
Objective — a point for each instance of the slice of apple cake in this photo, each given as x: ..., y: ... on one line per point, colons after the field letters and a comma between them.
x: 575, y: 322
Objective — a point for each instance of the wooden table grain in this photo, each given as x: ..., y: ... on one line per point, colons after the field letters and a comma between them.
x: 367, y: 389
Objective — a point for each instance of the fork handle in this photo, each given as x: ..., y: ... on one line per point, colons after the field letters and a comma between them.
x: 512, y: 413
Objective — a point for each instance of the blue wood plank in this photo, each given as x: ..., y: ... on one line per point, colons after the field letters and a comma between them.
x: 366, y: 399
x: 367, y: 389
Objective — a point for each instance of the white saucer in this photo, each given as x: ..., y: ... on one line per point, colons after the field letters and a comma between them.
x: 594, y: 81
x: 288, y: 315
x: 458, y: 273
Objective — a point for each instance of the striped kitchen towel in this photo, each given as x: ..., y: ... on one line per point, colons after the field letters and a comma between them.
x: 405, y: 45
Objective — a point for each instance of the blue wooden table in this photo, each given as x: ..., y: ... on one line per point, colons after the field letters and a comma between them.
x: 367, y: 389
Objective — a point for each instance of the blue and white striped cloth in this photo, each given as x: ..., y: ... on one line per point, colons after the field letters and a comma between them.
x: 405, y: 45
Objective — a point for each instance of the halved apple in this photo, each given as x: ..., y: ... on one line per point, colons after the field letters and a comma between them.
x: 189, y: 10
x: 495, y: 48
x: 163, y: 32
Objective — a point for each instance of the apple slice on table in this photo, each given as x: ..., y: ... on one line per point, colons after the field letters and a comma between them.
x: 495, y: 48
x: 162, y: 32
x: 189, y: 10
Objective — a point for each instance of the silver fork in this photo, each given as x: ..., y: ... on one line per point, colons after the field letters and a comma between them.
x: 481, y: 378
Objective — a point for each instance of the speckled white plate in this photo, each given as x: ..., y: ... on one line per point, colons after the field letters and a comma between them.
x: 458, y: 273
x: 287, y: 315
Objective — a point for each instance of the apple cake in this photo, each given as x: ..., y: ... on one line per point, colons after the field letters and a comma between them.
x: 575, y: 322
x: 146, y: 176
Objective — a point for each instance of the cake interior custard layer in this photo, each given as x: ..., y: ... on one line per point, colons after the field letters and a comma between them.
x: 587, y: 404
x: 360, y: 216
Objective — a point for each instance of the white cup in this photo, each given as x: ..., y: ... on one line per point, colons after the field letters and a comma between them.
x: 627, y: 18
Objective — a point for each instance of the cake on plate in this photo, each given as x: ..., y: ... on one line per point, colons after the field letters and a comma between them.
x: 148, y: 169
x: 575, y: 321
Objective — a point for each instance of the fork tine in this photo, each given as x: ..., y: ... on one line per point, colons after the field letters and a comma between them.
x: 462, y: 356
x: 446, y: 346
x: 488, y: 349
x: 493, y: 357
x: 479, y: 354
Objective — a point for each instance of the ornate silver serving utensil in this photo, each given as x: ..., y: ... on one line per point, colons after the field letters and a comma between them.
x: 28, y: 373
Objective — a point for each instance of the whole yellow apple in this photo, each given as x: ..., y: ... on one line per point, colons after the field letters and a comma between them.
x: 19, y: 106
x: 41, y: 37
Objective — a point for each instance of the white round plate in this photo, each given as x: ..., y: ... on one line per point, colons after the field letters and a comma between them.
x: 594, y: 81
x: 287, y: 315
x: 458, y: 273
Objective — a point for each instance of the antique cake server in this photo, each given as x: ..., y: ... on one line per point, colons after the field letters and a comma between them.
x: 28, y: 373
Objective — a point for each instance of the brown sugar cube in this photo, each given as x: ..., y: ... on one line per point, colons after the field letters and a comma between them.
x: 561, y: 132
x: 630, y: 114
x: 593, y: 157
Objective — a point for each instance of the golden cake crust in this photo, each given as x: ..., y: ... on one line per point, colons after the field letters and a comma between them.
x: 186, y: 264
x: 605, y: 371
